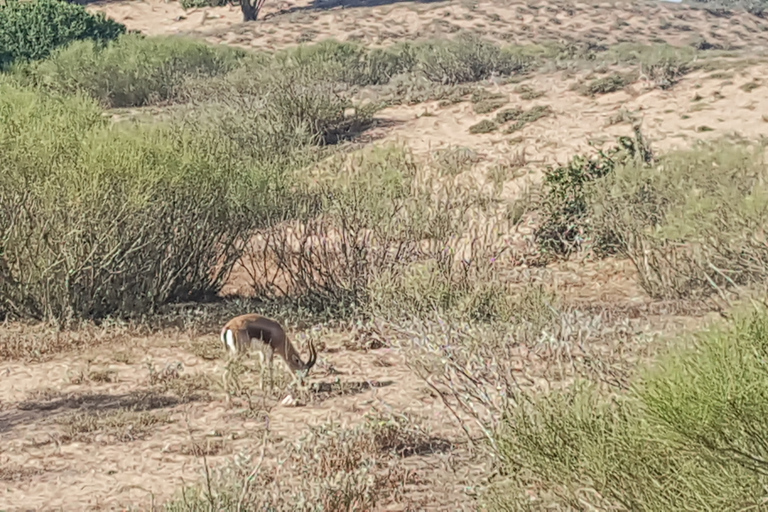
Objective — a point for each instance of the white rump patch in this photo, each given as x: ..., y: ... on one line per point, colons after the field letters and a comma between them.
x: 229, y: 338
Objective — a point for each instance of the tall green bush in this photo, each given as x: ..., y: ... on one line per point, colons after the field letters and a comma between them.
x: 131, y: 71
x: 692, y: 436
x: 31, y: 30
x: 99, y: 220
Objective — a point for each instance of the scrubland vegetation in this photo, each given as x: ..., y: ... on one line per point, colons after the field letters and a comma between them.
x: 223, y: 158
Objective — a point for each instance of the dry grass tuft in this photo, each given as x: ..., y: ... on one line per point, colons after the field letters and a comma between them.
x: 331, y: 468
x: 120, y: 426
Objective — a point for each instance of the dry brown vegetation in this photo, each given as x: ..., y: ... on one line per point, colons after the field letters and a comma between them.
x: 491, y: 241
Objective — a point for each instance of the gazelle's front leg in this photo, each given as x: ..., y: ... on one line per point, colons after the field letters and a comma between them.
x: 266, y: 355
x: 270, y: 361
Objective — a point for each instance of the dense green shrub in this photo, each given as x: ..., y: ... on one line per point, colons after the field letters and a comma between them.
x: 566, y: 207
x: 294, y: 104
x: 348, y: 62
x: 100, y: 220
x: 467, y: 58
x: 32, y: 30
x: 132, y: 71
x: 691, y: 437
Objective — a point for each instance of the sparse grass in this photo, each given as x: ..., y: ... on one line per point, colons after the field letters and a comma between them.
x: 120, y: 426
x: 37, y: 343
x: 686, y: 245
x: 331, y: 469
x: 453, y: 161
x: 18, y: 473
x: 208, y: 349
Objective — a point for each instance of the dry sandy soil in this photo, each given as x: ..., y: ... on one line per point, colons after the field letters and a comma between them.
x: 51, y: 457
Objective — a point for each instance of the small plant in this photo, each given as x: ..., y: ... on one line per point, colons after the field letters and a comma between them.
x: 489, y: 105
x: 750, y: 86
x: 529, y: 116
x: 665, y: 65
x: 611, y: 83
x: 484, y: 126
x: 527, y: 92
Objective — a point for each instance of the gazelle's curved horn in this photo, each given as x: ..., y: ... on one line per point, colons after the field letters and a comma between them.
x: 312, y: 356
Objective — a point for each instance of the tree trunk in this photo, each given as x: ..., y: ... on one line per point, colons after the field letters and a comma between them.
x: 250, y: 9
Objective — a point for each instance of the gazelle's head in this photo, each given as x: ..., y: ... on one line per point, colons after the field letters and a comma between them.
x: 294, y: 361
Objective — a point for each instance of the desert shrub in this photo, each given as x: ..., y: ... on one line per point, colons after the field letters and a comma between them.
x: 484, y: 126
x: 691, y: 435
x: 349, y: 62
x: 713, y: 395
x: 665, y: 65
x: 692, y: 224
x: 194, y: 4
x: 102, y: 220
x: 32, y: 30
x: 522, y: 117
x: 466, y: 58
x: 291, y: 102
x: 611, y: 83
x: 366, y: 215
x: 130, y: 72
x: 371, y: 222
x: 566, y: 207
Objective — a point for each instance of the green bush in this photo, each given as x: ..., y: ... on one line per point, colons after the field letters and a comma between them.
x: 714, y: 396
x: 100, y: 220
x: 32, y: 30
x: 692, y: 436
x: 291, y: 103
x: 566, y: 207
x: 348, y: 62
x: 467, y: 58
x: 130, y: 72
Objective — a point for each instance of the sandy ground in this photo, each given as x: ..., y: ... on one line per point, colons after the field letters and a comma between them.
x: 381, y: 22
x: 44, y: 468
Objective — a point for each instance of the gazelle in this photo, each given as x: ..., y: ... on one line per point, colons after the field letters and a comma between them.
x: 253, y: 331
